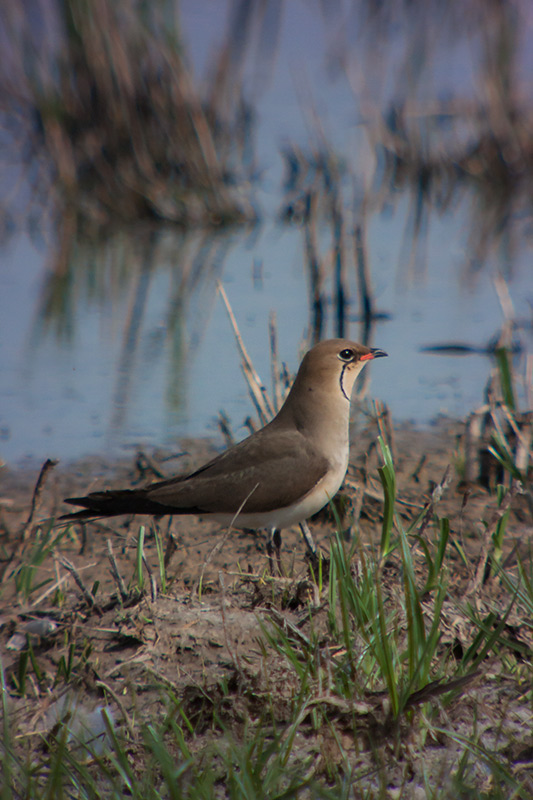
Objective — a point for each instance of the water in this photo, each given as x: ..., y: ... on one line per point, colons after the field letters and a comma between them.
x: 138, y: 350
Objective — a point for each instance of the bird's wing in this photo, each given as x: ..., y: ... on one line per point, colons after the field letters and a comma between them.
x: 267, y: 472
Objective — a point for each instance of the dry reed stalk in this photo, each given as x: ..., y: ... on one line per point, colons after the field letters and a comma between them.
x: 87, y: 594
x: 123, y: 592
x: 46, y: 468
x: 257, y: 389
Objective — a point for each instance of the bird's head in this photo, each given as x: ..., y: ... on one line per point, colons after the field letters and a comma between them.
x: 334, y: 364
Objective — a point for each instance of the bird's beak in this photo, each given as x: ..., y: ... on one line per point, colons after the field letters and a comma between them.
x: 375, y: 352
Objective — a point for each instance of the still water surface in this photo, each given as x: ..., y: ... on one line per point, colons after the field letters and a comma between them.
x: 142, y: 352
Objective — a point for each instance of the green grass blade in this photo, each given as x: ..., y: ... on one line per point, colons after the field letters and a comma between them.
x: 139, y: 560
x: 506, y: 377
x: 6, y: 759
x: 388, y: 480
x: 160, y: 558
x: 384, y: 653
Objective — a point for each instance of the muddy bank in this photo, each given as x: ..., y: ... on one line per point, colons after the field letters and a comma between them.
x: 200, y: 633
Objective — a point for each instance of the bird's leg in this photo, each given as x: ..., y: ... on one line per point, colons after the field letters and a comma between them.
x: 308, y: 538
x: 309, y: 543
x: 276, y: 536
x: 274, y: 546
x: 270, y: 550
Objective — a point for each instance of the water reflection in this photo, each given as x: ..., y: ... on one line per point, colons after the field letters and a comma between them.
x: 408, y: 188
x: 153, y: 291
x: 445, y: 98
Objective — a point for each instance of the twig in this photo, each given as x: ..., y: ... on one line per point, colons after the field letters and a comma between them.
x: 88, y: 595
x: 59, y: 582
x: 115, y: 573
x: 48, y: 465
x: 153, y: 584
x: 50, y: 589
x: 257, y: 390
x: 415, y: 475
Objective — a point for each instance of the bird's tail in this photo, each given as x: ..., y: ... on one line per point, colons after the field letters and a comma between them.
x: 112, y: 504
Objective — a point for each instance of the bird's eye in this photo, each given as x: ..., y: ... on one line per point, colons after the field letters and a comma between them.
x: 347, y: 354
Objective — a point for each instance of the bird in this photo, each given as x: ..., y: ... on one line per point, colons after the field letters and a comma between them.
x: 278, y: 476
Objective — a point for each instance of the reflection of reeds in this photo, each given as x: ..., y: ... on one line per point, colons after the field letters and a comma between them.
x: 479, y: 170
x: 125, y: 132
x: 312, y: 190
x: 445, y: 112
x: 476, y: 144
x: 134, y: 269
x: 314, y: 198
